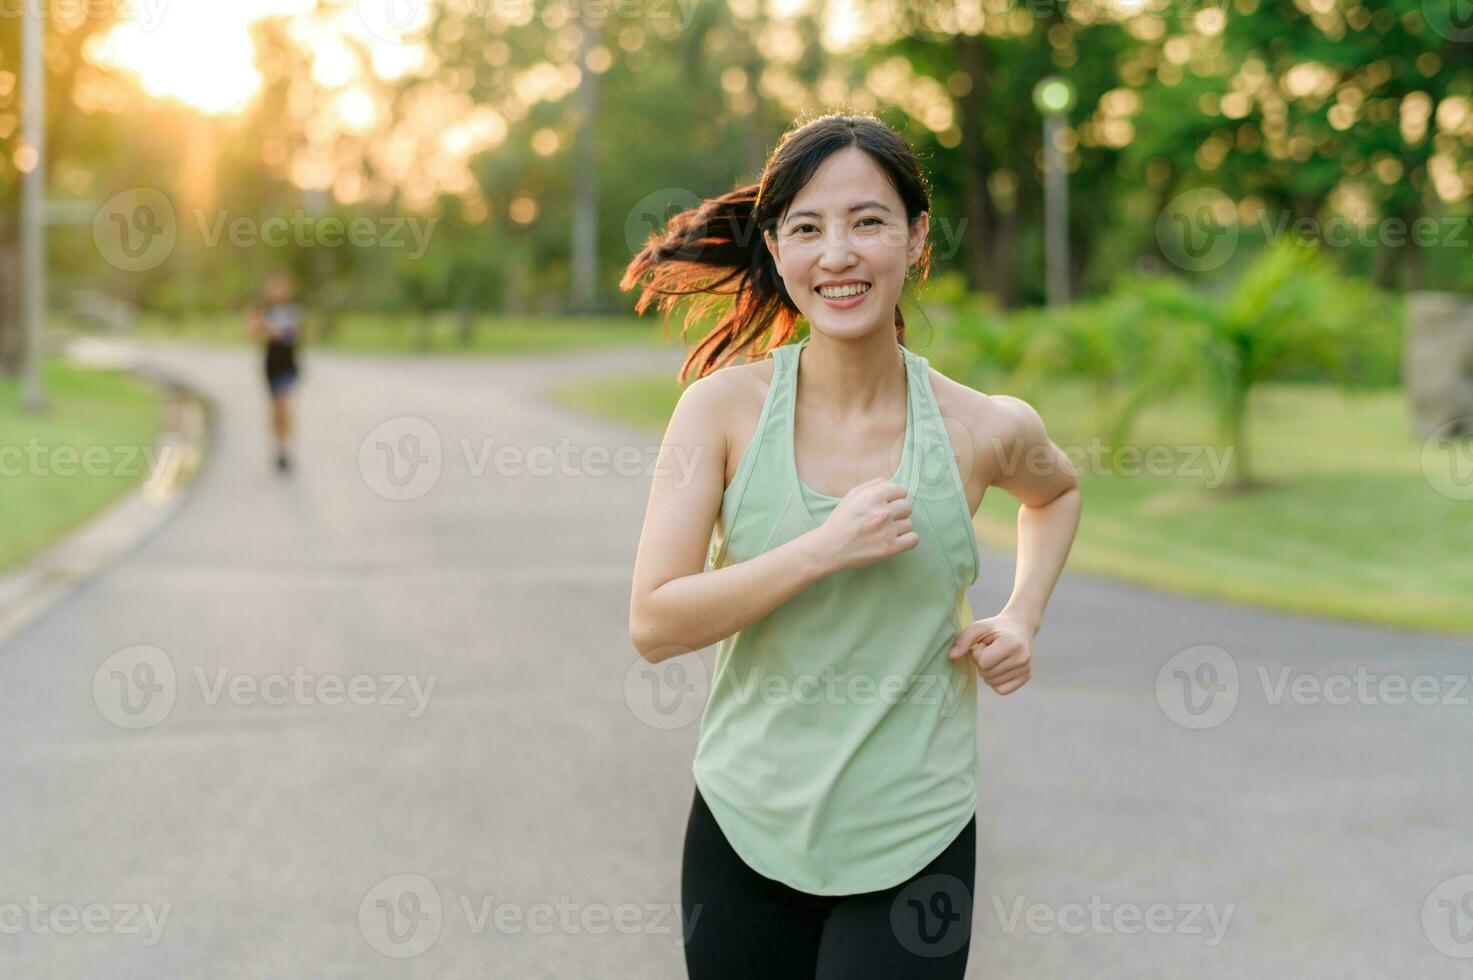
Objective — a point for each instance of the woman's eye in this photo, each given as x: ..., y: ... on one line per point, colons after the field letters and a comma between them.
x: 806, y: 228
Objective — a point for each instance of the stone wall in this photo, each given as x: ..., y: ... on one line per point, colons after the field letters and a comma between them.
x: 1437, y: 362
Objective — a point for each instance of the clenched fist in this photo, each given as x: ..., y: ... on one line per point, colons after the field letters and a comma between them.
x: 1001, y: 647
x: 870, y: 524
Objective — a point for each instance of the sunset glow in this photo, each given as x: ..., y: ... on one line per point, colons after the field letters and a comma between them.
x: 200, y: 52
x: 196, y: 51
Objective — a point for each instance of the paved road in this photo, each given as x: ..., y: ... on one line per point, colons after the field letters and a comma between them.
x: 257, y: 825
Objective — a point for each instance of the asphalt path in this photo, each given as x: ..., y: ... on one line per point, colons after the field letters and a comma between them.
x: 380, y: 717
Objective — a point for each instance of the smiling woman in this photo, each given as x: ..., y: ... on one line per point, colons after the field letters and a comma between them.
x: 836, y: 792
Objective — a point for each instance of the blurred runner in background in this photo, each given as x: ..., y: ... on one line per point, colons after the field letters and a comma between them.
x: 280, y: 322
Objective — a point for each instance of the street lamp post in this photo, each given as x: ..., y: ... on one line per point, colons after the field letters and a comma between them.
x: 1053, y: 95
x: 32, y: 217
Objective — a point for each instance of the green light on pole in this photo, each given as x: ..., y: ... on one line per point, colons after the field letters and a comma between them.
x: 1053, y: 95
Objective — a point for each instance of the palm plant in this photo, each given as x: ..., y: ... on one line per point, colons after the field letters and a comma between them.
x: 1290, y: 316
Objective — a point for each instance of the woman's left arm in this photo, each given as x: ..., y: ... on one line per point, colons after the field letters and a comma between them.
x: 1040, y: 475
x: 254, y: 325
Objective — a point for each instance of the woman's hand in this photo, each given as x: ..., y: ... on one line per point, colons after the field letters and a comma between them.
x: 870, y: 524
x: 1001, y: 646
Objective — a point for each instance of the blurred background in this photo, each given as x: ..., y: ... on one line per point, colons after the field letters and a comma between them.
x: 460, y: 177
x: 1224, y: 246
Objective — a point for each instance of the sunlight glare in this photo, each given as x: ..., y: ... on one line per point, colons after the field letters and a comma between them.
x: 199, y: 52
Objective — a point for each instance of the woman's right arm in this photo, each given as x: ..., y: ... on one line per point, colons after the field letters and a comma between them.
x: 677, y: 606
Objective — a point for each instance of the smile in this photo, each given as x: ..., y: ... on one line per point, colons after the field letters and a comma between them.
x: 845, y: 291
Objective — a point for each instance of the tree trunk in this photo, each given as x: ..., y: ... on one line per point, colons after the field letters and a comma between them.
x: 1004, y: 256
x: 754, y: 133
x: 467, y: 323
x: 585, y: 181
x: 1385, y: 266
x: 1412, y: 255
x: 10, y: 338
x: 517, y: 285
x: 1081, y: 250
x: 1236, y: 433
x: 976, y: 203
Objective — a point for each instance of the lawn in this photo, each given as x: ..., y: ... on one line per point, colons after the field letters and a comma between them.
x: 1345, y: 525
x: 59, y: 468
x: 434, y: 334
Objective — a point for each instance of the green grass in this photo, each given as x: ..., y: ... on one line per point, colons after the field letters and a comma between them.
x: 48, y: 482
x: 1345, y: 524
x: 642, y: 400
x: 437, y: 334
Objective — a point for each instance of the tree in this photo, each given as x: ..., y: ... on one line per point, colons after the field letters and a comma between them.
x: 70, y: 137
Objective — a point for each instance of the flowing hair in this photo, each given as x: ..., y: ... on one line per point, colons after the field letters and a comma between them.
x: 716, y: 249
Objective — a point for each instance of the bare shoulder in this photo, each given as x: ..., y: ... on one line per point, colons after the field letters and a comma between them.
x: 992, y: 412
x: 984, y: 416
x: 732, y: 389
x: 987, y: 431
x: 956, y: 400
x: 1012, y: 448
x: 743, y: 381
x: 729, y: 402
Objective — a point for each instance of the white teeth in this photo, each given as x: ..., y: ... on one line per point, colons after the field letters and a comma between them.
x: 839, y: 292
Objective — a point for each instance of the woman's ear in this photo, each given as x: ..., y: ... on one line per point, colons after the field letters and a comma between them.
x: 920, y: 228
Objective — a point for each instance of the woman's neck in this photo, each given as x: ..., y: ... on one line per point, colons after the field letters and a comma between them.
x: 853, y: 376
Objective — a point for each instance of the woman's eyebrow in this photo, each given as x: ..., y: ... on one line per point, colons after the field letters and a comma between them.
x: 858, y: 207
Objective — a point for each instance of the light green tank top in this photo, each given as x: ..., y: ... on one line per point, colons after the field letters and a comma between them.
x: 838, y: 749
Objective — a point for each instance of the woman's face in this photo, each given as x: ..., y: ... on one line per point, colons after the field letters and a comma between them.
x: 847, y: 228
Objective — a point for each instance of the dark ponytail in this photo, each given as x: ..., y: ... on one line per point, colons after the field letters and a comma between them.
x: 717, y: 249
x: 710, y: 252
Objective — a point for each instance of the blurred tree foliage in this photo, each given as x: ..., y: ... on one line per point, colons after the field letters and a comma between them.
x: 1308, y: 118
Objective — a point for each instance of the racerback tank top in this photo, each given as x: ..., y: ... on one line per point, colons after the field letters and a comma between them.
x: 838, y: 749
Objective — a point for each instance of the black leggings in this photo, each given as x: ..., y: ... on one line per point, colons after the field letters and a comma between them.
x: 739, y: 923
